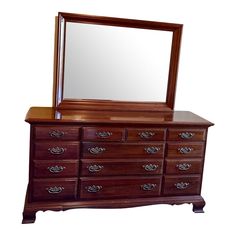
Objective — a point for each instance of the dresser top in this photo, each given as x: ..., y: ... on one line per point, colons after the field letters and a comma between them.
x: 51, y: 115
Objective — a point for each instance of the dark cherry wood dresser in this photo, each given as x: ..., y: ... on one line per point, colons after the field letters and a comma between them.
x: 112, y: 159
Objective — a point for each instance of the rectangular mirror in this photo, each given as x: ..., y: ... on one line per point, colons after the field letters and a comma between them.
x: 116, y: 64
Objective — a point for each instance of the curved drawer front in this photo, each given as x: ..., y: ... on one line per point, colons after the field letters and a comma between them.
x: 186, y: 135
x: 56, y: 150
x: 119, y: 187
x: 146, y: 134
x: 180, y: 149
x: 184, y: 166
x: 52, y: 169
x: 56, y: 132
x: 182, y: 185
x: 103, y: 134
x: 123, y: 150
x: 54, y: 189
x: 120, y: 167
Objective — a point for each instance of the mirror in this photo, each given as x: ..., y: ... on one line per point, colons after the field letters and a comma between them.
x: 112, y: 63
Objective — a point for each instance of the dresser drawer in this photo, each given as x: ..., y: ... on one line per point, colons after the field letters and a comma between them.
x: 184, y: 185
x: 56, y: 150
x: 54, y: 189
x: 186, y: 134
x: 119, y: 150
x: 120, y: 167
x: 185, y: 149
x: 54, y: 169
x: 145, y: 134
x: 185, y: 166
x: 56, y: 132
x: 103, y: 134
x: 119, y: 187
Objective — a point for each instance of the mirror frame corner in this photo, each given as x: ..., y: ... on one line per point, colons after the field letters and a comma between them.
x: 60, y: 103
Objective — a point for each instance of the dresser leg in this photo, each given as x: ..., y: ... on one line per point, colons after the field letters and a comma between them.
x: 198, y: 206
x: 29, y: 217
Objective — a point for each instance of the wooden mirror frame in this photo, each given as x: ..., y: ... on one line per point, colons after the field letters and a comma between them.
x: 60, y: 103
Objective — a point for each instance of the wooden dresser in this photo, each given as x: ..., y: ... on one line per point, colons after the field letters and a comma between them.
x: 111, y: 159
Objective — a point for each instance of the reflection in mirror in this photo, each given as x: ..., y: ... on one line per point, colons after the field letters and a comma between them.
x: 116, y: 63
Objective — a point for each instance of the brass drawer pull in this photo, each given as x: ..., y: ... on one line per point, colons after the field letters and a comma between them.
x: 56, y: 169
x: 185, y: 150
x: 104, y: 134
x: 146, y: 134
x: 183, y: 166
x: 148, y: 187
x: 182, y: 185
x: 152, y: 150
x: 55, y: 190
x: 186, y: 135
x: 94, y: 168
x: 93, y: 188
x: 56, y: 134
x: 96, y: 150
x: 57, y: 150
x: 150, y: 167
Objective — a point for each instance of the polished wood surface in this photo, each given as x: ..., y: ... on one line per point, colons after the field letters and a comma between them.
x: 114, y: 159
x: 175, y: 118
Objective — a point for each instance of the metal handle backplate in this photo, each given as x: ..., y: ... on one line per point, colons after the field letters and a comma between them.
x: 57, y: 150
x: 152, y: 150
x: 104, y: 134
x: 186, y: 135
x: 96, y: 150
x: 94, y: 168
x: 146, y: 134
x: 93, y: 188
x: 182, y: 185
x: 183, y: 166
x: 56, y: 133
x: 150, y: 167
x: 56, y: 169
x: 185, y: 150
x: 55, y: 190
x: 148, y: 187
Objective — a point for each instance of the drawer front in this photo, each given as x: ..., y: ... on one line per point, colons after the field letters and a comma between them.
x: 188, y: 185
x: 119, y: 187
x: 119, y: 150
x: 48, y: 169
x: 54, y: 189
x: 186, y: 134
x: 56, y: 132
x: 103, y: 134
x: 185, y: 166
x: 56, y: 150
x: 185, y: 149
x: 146, y: 134
x: 120, y: 167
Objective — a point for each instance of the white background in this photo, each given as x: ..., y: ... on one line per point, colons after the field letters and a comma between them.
x: 206, y: 86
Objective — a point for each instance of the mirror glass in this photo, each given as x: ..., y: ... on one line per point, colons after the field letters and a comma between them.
x: 116, y: 63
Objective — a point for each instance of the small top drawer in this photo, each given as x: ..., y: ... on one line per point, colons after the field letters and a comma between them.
x: 57, y: 132
x: 146, y: 134
x: 186, y: 135
x: 103, y: 134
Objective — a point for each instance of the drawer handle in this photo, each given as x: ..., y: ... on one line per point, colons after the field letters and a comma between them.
x: 104, y: 134
x: 183, y: 166
x: 148, y: 187
x: 182, y: 185
x: 152, y: 150
x: 150, y: 167
x: 57, y: 150
x: 186, y: 135
x: 56, y: 134
x: 146, y: 134
x: 93, y: 188
x: 56, y: 169
x: 185, y: 150
x: 94, y: 168
x: 55, y: 190
x: 96, y: 150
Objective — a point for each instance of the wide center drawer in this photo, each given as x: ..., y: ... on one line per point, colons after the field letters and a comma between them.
x: 120, y: 167
x: 56, y: 150
x: 119, y: 187
x: 122, y: 150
